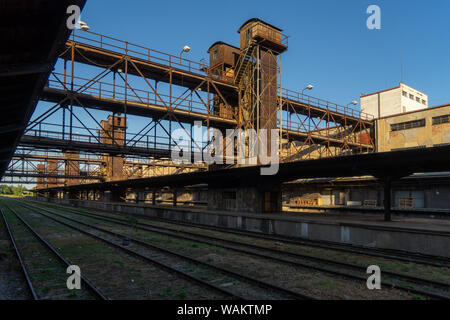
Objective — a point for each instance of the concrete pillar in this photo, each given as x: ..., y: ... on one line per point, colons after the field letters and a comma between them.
x: 107, y: 196
x: 72, y: 167
x: 53, y: 194
x: 142, y: 196
x: 113, y: 132
x: 118, y: 195
x: 387, y: 198
x: 246, y: 199
x: 75, y: 195
x: 175, y: 195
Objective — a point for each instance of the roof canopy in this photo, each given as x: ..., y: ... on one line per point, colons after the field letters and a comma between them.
x: 223, y: 43
x: 258, y: 20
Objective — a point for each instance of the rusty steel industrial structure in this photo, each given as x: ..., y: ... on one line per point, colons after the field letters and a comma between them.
x: 240, y: 88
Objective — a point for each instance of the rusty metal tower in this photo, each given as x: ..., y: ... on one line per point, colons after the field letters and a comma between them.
x: 258, y: 75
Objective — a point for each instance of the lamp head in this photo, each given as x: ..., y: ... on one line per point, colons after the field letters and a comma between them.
x: 83, y: 25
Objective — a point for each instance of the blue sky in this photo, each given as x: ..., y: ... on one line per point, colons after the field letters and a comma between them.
x: 329, y: 46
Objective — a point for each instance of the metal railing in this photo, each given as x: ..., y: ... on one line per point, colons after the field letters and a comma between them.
x: 324, y: 104
x: 151, y: 55
x: 270, y: 34
x: 150, y: 142
x: 138, y: 51
x: 114, y: 91
x: 327, y: 132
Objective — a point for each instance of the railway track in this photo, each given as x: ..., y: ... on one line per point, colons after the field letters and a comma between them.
x: 251, y: 286
x: 53, y: 267
x: 24, y: 271
x: 220, y: 292
x: 345, y: 248
x: 404, y: 282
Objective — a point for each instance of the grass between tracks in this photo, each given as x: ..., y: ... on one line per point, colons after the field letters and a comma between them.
x: 319, y: 284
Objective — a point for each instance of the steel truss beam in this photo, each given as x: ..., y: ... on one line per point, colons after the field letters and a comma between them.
x: 320, y: 128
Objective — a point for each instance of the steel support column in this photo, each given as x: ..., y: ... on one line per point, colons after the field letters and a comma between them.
x: 387, y: 198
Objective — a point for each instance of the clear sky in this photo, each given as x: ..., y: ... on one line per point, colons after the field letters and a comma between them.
x: 329, y: 45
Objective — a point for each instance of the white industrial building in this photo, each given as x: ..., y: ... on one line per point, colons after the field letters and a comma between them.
x: 393, y: 101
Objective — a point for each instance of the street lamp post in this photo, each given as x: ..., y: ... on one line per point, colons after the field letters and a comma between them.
x: 308, y: 87
x: 83, y: 26
x: 354, y: 102
x: 185, y: 49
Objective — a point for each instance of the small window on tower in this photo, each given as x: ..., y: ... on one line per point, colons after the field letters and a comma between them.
x: 248, y: 34
x: 216, y: 54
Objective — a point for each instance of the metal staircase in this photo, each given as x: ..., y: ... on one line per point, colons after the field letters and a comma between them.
x: 244, y: 60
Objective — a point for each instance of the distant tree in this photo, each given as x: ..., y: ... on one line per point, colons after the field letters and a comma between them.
x: 12, y: 190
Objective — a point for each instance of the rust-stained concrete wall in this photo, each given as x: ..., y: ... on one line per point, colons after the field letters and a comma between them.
x: 427, y: 136
x: 112, y: 132
x: 245, y: 199
x: 429, y: 195
x: 72, y: 167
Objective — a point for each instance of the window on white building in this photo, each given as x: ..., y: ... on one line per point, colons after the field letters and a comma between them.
x: 424, y: 102
x: 411, y: 96
x: 405, y: 94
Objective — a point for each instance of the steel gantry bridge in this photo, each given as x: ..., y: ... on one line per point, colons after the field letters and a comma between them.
x: 109, y: 108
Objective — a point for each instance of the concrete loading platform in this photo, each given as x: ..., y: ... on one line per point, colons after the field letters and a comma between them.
x: 423, y: 236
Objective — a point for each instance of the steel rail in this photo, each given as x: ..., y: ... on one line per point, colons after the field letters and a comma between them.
x: 298, y: 264
x: 147, y: 259
x: 19, y: 257
x: 393, y: 254
x: 254, y: 281
x: 275, y: 251
x: 396, y: 255
x: 295, y: 255
x: 88, y: 283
